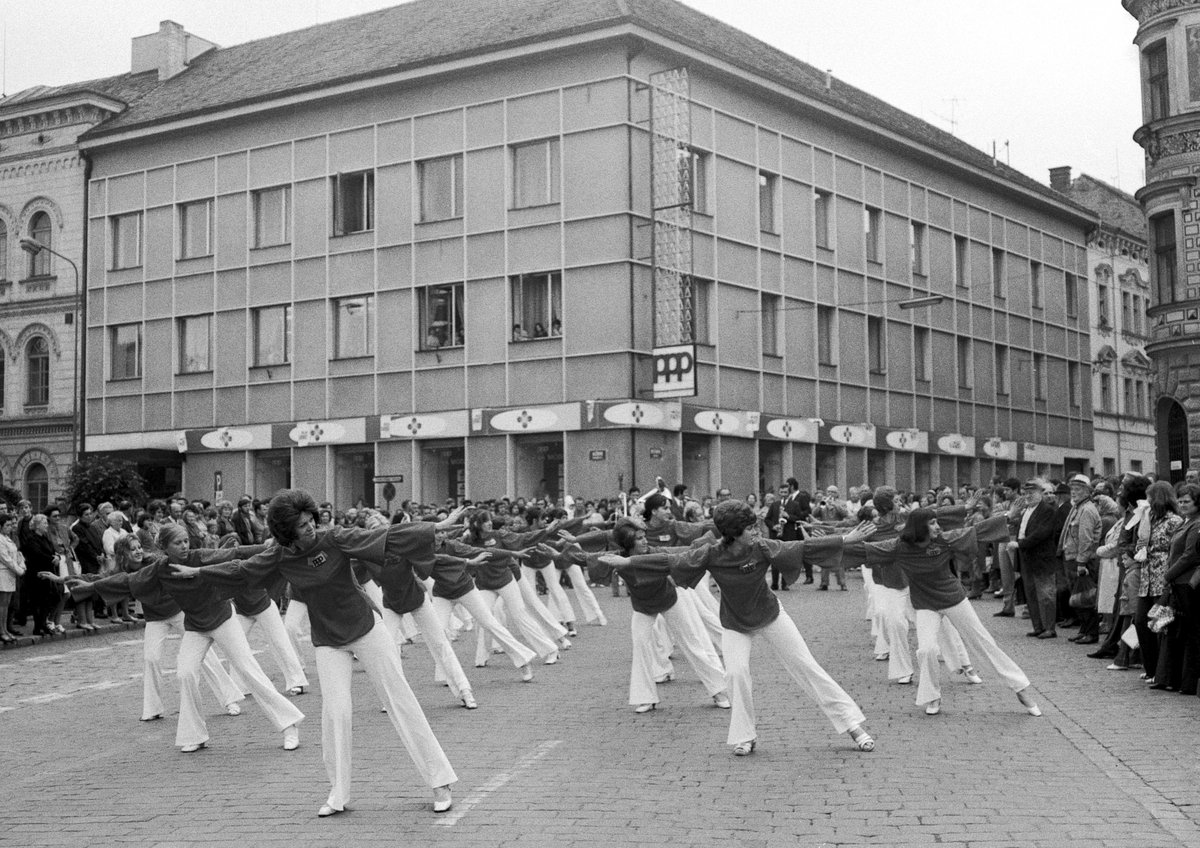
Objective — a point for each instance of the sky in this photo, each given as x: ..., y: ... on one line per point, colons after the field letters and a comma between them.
x: 1049, y: 82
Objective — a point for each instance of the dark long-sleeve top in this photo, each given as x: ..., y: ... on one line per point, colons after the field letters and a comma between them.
x: 932, y: 583
x: 403, y: 592
x: 39, y: 553
x: 142, y: 585
x: 496, y: 572
x: 337, y: 609
x: 1184, y: 557
x: 251, y: 602
x: 244, y: 528
x: 651, y: 590
x: 205, y: 606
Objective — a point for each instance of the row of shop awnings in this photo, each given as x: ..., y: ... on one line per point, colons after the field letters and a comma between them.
x: 671, y: 416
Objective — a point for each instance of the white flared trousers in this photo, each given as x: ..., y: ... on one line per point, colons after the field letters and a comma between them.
x: 559, y: 604
x: 709, y: 620
x: 977, y: 639
x: 583, y: 593
x: 154, y: 646
x: 283, y: 651
x: 789, y: 646
x: 689, y: 637
x: 299, y: 630
x: 380, y: 658
x: 540, y: 612
x: 229, y: 636
x: 520, y: 619
x: 896, y: 614
x: 434, y: 634
x: 475, y: 604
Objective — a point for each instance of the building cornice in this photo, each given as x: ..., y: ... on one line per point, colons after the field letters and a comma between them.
x: 1163, y: 188
x: 38, y: 163
x: 1145, y: 10
x: 40, y: 117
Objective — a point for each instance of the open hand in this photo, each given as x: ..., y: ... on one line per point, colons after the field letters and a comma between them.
x: 183, y: 570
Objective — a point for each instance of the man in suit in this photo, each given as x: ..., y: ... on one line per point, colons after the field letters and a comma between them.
x: 1036, y: 547
x: 1077, y: 544
x: 794, y: 511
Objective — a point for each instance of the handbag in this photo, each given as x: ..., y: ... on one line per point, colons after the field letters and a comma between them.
x: 1084, y: 593
x: 1160, y: 616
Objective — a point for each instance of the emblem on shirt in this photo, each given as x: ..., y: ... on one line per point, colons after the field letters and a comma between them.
x: 318, y: 560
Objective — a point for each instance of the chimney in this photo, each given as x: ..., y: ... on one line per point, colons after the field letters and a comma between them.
x: 167, y: 51
x: 1060, y: 178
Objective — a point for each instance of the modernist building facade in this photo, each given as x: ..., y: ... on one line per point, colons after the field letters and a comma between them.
x: 1168, y: 38
x: 424, y: 254
x: 1123, y: 392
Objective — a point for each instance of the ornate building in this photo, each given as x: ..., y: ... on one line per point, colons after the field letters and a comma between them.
x: 1119, y: 295
x: 1168, y: 38
x: 43, y: 201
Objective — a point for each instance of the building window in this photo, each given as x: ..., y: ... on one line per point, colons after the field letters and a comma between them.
x: 441, y: 188
x: 998, y: 269
x: 272, y: 208
x: 1002, y: 370
x: 1071, y: 289
x: 1126, y: 311
x: 1106, y: 393
x: 916, y: 248
x: 1103, y: 307
x: 37, y: 371
x: 536, y: 306
x: 1163, y: 227
x: 3, y: 251
x: 354, y: 326
x: 1143, y: 397
x: 701, y: 294
x: 272, y: 335
x: 3, y: 359
x: 1157, y: 80
x: 1039, y: 376
x: 1139, y: 315
x: 41, y: 232
x: 353, y: 202
x: 535, y: 173
x: 1130, y: 407
x: 125, y: 352
x: 767, y: 184
x: 1135, y: 465
x: 962, y: 262
x: 1035, y: 284
x: 195, y: 229
x: 770, y: 324
x: 872, y: 232
x: 966, y: 364
x: 1074, y: 388
x: 194, y: 344
x: 440, y: 312
x: 822, y: 210
x: 922, y: 354
x: 826, y: 335
x: 876, y: 345
x: 126, y: 245
x: 37, y: 486
x: 693, y: 177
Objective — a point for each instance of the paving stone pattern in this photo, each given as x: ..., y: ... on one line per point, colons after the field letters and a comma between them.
x: 564, y: 761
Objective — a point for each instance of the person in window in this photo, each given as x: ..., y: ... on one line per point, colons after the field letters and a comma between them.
x: 539, y: 332
x: 556, y: 327
x: 519, y: 334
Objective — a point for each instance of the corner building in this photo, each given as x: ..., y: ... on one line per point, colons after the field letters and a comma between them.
x: 415, y: 246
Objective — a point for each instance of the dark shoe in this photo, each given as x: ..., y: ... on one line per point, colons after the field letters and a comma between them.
x: 1087, y: 640
x: 1187, y: 691
x: 1068, y: 622
x: 1103, y: 654
x: 1033, y: 634
x: 823, y: 588
x: 1004, y: 613
x: 1161, y: 686
x: 1047, y: 634
x: 807, y: 580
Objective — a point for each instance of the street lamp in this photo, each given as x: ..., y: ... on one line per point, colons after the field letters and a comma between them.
x: 33, y: 247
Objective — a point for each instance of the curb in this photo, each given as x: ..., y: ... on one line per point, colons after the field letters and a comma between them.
x: 72, y: 633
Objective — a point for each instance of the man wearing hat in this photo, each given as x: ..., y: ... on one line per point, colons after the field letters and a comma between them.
x: 1034, y: 546
x: 1077, y: 545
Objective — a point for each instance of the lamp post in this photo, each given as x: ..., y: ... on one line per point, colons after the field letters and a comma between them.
x: 33, y: 247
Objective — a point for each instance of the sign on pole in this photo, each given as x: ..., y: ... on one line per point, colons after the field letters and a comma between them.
x: 674, y: 371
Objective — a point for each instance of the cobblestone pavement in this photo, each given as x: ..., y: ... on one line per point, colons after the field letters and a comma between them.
x: 563, y: 761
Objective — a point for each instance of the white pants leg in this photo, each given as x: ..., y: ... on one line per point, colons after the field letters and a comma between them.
x: 154, y: 647
x: 517, y: 652
x: 894, y: 609
x: 525, y: 624
x: 789, y: 646
x: 666, y: 648
x: 979, y: 642
x: 381, y: 660
x: 540, y: 612
x: 295, y: 622
x: 643, y: 667
x: 583, y: 593
x: 869, y: 589
x: 440, y: 648
x: 559, y: 604
x: 191, y: 728
x: 709, y: 620
x: 408, y: 627
x: 689, y: 635
x: 951, y: 648
x: 704, y: 593
x: 270, y: 624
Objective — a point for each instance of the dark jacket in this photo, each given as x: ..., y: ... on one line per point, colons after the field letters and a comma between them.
x: 1039, y: 547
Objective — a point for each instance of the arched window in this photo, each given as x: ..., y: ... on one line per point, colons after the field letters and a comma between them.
x: 3, y: 251
x: 37, y: 486
x: 40, y: 230
x: 37, y: 369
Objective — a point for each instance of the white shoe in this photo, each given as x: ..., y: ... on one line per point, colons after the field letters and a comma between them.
x: 326, y: 811
x: 297, y: 690
x: 643, y: 708
x: 1027, y: 702
x: 905, y: 680
x: 526, y: 673
x: 468, y: 699
x: 194, y: 747
x: 601, y: 621
x: 722, y: 701
x: 882, y: 657
x: 933, y: 707
x: 441, y: 799
x: 666, y: 678
x: 564, y: 643
x: 233, y: 709
x: 971, y: 674
x: 291, y: 738
x: 551, y: 660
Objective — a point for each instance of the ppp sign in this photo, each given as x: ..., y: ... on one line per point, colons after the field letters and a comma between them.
x: 674, y: 371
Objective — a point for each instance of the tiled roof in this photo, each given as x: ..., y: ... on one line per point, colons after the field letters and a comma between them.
x: 1113, y: 207
x: 123, y: 87
x: 428, y: 31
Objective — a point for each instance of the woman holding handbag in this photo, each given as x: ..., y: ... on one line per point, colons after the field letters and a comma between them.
x: 38, y: 549
x: 1179, y: 657
x: 12, y: 566
x: 1155, y: 533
